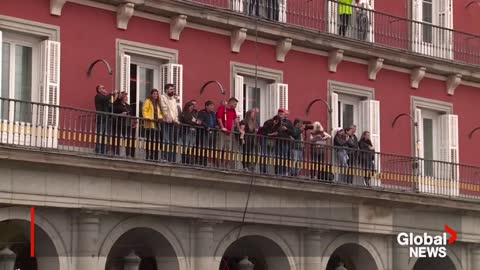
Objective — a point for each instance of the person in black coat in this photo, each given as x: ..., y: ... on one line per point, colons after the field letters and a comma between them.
x: 124, y: 127
x: 103, y: 105
x: 367, y: 156
x: 207, y: 136
x: 191, y: 123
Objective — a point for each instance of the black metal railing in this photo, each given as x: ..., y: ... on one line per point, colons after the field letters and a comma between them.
x: 362, y: 24
x: 60, y: 128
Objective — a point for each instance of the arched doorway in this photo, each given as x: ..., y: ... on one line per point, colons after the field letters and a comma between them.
x: 15, y: 234
x: 434, y: 264
x: 353, y: 256
x: 262, y: 252
x: 151, y: 248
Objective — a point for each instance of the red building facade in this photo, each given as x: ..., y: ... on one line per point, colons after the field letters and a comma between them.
x: 202, y: 43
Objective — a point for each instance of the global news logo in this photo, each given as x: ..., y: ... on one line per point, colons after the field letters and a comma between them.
x: 426, y: 245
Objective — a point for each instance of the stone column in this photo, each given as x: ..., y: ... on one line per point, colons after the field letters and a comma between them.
x: 204, y: 245
x: 131, y: 262
x: 312, y: 250
x: 400, y: 256
x: 7, y: 259
x: 87, y: 241
x: 475, y: 257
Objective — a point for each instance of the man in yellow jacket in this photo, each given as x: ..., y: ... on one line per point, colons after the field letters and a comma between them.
x: 345, y: 12
x: 152, y: 115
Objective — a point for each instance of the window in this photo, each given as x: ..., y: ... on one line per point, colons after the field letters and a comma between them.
x: 275, y: 10
x: 431, y: 27
x: 354, y: 105
x: 266, y: 93
x: 436, y: 139
x: 144, y: 67
x: 30, y: 71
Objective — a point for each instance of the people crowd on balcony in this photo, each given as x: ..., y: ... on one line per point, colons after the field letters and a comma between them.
x: 218, y: 138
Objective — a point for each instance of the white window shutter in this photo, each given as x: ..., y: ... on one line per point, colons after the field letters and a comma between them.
x: 417, y: 30
x: 333, y: 20
x: 370, y: 120
x: 418, y: 133
x: 282, y: 16
x: 417, y: 10
x: 449, y: 138
x: 125, y: 74
x: 1, y: 52
x: 334, y: 115
x: 173, y: 73
x: 51, y: 92
x: 449, y: 173
x: 282, y: 96
x: 237, y: 5
x: 272, y: 100
x: 238, y: 94
x: 445, y: 20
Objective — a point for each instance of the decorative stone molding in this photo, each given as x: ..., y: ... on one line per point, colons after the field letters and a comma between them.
x: 374, y: 66
x: 124, y: 13
x: 56, y: 7
x: 334, y: 58
x: 452, y: 82
x: 283, y: 46
x: 416, y: 76
x: 237, y: 38
x: 177, y: 24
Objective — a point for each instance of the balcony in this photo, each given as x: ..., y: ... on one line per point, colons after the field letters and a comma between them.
x: 49, y: 128
x: 365, y: 26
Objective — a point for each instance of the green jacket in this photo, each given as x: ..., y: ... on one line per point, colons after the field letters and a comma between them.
x: 345, y: 9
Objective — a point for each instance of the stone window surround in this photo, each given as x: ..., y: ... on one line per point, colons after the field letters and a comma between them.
x: 430, y: 104
x: 42, y: 30
x: 363, y: 92
x: 142, y: 49
x: 269, y: 74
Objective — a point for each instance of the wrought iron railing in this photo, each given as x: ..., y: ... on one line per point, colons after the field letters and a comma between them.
x: 362, y: 24
x: 59, y: 128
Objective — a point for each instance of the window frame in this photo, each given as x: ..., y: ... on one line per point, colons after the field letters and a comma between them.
x: 250, y: 72
x: 429, y: 105
x: 145, y: 55
x: 350, y: 91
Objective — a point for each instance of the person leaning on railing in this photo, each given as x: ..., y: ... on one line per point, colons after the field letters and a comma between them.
x: 318, y: 140
x: 297, y: 147
x: 227, y: 119
x: 188, y: 132
x: 103, y: 104
x: 248, y: 132
x: 340, y: 143
x: 269, y: 134
x: 152, y: 115
x: 367, y: 156
x: 124, y: 128
x: 208, y: 134
x: 170, y: 110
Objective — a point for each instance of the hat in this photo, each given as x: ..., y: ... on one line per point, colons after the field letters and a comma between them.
x: 281, y: 110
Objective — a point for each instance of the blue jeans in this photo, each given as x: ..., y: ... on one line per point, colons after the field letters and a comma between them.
x: 170, y: 137
x: 297, y: 157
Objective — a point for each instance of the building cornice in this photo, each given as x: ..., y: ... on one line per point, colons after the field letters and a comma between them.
x: 306, y: 38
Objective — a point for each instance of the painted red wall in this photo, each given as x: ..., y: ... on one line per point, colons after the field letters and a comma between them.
x: 88, y: 33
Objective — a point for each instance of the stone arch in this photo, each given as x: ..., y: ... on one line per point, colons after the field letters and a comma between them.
x: 451, y: 254
x: 142, y: 222
x: 23, y: 213
x: 260, y: 231
x: 355, y: 239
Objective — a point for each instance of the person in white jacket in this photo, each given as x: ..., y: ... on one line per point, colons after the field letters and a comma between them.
x: 363, y: 19
x: 170, y: 112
